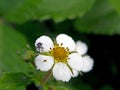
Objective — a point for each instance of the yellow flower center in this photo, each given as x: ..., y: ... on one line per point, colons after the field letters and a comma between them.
x: 60, y: 53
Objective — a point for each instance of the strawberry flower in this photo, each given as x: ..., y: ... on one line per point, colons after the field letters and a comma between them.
x: 65, y: 57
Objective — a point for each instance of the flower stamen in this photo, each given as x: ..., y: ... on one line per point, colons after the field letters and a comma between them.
x: 60, y: 53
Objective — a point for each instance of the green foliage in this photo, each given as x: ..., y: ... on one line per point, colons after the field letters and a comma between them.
x: 101, y: 19
x: 13, y: 81
x: 73, y: 84
x: 59, y: 10
x: 18, y: 10
x: 12, y: 42
x: 116, y: 4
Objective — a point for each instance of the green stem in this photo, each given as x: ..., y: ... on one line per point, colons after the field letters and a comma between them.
x: 44, y: 80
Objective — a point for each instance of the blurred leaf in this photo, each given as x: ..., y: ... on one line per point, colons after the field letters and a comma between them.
x: 18, y: 10
x: 23, y: 10
x: 73, y: 84
x: 11, y: 42
x: 106, y: 87
x: 101, y: 19
x: 114, y: 68
x: 13, y: 81
x: 116, y: 4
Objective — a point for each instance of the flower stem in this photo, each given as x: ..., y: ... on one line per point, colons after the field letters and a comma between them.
x: 43, y: 81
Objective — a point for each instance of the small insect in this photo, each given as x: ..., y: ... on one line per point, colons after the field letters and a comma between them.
x: 44, y: 60
x: 39, y: 46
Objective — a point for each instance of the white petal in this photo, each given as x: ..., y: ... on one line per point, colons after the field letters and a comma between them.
x: 81, y: 47
x: 88, y: 63
x: 75, y: 61
x: 66, y: 40
x: 75, y: 73
x: 44, y: 63
x: 61, y: 72
x: 43, y: 44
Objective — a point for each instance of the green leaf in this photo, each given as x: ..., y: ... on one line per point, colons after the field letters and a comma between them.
x: 11, y: 42
x: 59, y: 10
x: 18, y: 10
x: 116, y: 4
x: 13, y: 81
x: 101, y: 19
